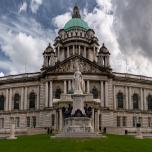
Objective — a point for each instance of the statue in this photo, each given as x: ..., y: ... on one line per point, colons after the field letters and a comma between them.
x: 78, y: 81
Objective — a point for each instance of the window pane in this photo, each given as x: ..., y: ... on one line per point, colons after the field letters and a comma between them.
x: 118, y: 121
x: 120, y: 100
x: 28, y: 121
x: 135, y: 101
x: 32, y: 100
x: 1, y: 123
x: 34, y: 121
x: 149, y: 102
x: 1, y: 102
x: 124, y: 121
x: 16, y: 101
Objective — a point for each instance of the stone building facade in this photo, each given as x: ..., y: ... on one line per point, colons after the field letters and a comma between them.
x: 116, y: 102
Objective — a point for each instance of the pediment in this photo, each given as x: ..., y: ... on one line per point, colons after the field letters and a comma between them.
x: 85, y: 66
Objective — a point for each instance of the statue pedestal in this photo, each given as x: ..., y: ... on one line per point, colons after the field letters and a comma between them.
x: 78, y: 125
x: 12, y: 133
x: 78, y: 103
x: 139, y: 134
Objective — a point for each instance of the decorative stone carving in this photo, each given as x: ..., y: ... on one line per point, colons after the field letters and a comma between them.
x: 84, y: 67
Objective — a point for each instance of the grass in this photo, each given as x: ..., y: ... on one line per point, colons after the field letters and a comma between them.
x: 43, y: 143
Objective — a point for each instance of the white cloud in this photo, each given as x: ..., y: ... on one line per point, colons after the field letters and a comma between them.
x: 23, y: 7
x: 60, y: 20
x: 24, y: 51
x: 23, y: 44
x: 35, y: 4
x: 1, y: 74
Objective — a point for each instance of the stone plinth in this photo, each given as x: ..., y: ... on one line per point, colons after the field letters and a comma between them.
x: 139, y: 134
x: 78, y: 125
x: 78, y: 103
x: 12, y: 133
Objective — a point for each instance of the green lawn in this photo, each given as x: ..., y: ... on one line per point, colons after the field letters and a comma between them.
x: 43, y: 143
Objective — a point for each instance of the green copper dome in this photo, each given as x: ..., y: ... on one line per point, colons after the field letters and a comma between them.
x: 76, y: 22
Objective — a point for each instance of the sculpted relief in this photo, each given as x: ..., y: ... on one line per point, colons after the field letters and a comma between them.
x: 71, y: 67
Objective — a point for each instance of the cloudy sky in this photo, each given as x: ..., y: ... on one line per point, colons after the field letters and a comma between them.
x: 27, y: 26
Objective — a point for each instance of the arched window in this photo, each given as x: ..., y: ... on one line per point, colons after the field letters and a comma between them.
x: 32, y: 100
x: 135, y: 101
x: 95, y: 92
x: 149, y: 100
x: 16, y: 101
x: 120, y: 100
x: 58, y: 93
x: 2, y: 100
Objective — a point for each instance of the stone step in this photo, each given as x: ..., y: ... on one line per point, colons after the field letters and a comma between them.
x: 78, y: 135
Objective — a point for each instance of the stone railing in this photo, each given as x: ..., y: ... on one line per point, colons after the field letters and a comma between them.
x: 25, y: 75
x: 126, y: 75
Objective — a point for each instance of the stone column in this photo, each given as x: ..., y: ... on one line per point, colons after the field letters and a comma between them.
x: 38, y: 97
x: 126, y: 97
x: 85, y: 53
x: 61, y: 120
x: 10, y: 99
x: 46, y: 94
x: 7, y: 100
x: 79, y: 49
x: 51, y: 97
x: 25, y: 98
x: 97, y: 121
x: 22, y: 98
x: 114, y: 97
x: 141, y: 99
x: 106, y: 94
x: 65, y: 87
x: 69, y: 85
x: 88, y: 86
x: 102, y: 94
x: 93, y: 118
x: 68, y: 52
x: 145, y: 101
x: 130, y: 101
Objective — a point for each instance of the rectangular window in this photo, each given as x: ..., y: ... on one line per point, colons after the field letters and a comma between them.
x: 124, y: 121
x: 118, y: 121
x: 28, y: 121
x: 1, y: 123
x: 134, y: 121
x: 149, y: 121
x: 53, y: 119
x: 17, y: 122
x: 140, y: 121
x: 34, y: 121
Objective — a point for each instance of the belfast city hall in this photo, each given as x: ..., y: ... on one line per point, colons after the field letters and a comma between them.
x: 76, y: 90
